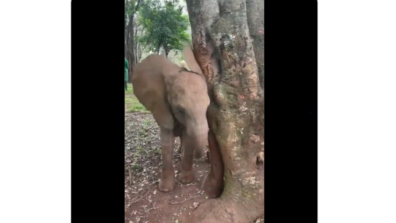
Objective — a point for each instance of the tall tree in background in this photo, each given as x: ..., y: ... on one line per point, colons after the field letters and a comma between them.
x: 131, y: 7
x: 137, y: 47
x: 228, y: 44
x: 164, y: 25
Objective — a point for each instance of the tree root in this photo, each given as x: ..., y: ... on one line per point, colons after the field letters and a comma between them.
x: 222, y: 210
x: 179, y: 202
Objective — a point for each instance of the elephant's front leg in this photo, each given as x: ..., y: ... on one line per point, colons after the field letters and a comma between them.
x: 187, y: 174
x: 167, y: 180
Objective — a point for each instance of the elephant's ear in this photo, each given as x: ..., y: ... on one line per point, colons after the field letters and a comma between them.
x: 150, y: 90
x: 162, y: 114
x: 190, y: 59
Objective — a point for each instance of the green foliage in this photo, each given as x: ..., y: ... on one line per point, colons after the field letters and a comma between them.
x: 164, y: 25
x: 129, y: 9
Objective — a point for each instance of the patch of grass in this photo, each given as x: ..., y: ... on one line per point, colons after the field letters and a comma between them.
x: 146, y: 123
x: 136, y: 167
x: 142, y: 151
x: 132, y: 104
x: 137, y: 107
x: 158, y: 151
x: 143, y: 132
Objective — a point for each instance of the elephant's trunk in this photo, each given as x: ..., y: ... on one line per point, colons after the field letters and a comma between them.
x: 198, y: 132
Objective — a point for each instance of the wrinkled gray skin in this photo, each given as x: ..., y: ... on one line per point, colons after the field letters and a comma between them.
x: 178, y: 100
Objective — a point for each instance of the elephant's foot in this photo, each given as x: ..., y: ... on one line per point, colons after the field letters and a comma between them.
x: 167, y: 181
x: 186, y: 177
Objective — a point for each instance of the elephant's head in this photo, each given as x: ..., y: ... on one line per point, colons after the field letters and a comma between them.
x: 187, y: 95
x: 188, y: 98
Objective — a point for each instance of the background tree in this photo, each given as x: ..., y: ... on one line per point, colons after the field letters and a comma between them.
x: 164, y: 26
x: 131, y: 8
x: 227, y: 38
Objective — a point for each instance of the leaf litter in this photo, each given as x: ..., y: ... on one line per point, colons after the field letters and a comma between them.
x: 143, y: 202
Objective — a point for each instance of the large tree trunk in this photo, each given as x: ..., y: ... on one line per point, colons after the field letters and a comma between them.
x: 225, y: 49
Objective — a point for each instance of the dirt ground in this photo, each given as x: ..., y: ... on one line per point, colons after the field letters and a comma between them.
x: 144, y: 203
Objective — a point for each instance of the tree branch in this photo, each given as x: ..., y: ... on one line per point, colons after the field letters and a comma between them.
x: 139, y: 2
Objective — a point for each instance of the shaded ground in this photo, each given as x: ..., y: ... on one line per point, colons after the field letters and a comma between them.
x: 143, y: 202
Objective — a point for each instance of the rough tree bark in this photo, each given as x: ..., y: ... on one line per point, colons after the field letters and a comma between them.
x: 225, y: 44
x: 255, y: 19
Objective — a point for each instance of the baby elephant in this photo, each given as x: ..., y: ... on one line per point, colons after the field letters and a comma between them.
x: 178, y: 100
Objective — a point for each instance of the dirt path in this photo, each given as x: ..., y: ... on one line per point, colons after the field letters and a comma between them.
x: 143, y: 202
